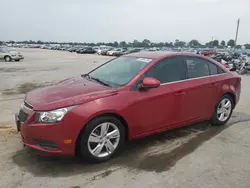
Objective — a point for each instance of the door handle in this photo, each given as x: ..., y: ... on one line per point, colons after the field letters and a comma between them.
x: 181, y: 93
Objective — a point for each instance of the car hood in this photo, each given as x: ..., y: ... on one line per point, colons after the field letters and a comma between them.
x: 69, y: 92
x: 13, y: 53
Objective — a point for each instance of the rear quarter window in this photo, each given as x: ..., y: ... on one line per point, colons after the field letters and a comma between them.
x: 197, y: 67
x: 214, y: 69
x: 220, y: 70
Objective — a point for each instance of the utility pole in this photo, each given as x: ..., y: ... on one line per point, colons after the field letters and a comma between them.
x: 236, y: 36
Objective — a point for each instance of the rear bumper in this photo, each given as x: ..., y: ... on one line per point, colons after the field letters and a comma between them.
x: 238, y: 91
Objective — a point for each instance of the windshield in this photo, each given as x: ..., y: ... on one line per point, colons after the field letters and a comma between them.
x: 120, y: 71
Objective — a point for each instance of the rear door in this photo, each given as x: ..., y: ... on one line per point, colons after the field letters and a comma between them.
x: 202, y: 87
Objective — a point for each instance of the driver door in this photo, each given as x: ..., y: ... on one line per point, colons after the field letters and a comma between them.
x: 1, y: 54
x: 162, y: 107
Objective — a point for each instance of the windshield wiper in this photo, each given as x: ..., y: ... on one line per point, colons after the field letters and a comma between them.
x: 99, y: 81
x: 86, y: 76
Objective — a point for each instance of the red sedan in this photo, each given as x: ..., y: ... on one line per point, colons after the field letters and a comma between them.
x: 208, y: 52
x: 126, y: 98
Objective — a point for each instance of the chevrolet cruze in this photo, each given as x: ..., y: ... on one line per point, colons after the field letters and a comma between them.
x: 126, y: 98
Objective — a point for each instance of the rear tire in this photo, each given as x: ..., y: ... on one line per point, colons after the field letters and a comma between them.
x: 7, y: 58
x: 223, y: 110
x: 92, y: 139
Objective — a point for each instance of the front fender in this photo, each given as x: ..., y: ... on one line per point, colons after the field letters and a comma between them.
x: 76, y: 119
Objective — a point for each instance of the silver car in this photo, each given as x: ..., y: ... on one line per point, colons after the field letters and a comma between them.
x: 9, y: 54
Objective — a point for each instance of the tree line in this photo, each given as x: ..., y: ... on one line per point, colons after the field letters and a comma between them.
x: 146, y: 43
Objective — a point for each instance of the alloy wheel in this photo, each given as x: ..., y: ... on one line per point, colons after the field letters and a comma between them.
x: 224, y: 109
x: 103, y: 140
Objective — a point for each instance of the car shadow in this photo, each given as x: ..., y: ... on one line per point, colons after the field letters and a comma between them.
x: 154, y: 153
x: 2, y: 60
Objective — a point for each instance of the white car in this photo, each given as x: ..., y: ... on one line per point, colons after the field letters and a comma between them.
x: 111, y: 52
x: 101, y: 49
x: 9, y: 54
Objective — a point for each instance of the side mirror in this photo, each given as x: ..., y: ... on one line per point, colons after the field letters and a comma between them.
x: 149, y: 83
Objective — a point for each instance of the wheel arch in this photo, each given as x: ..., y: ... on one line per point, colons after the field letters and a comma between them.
x: 6, y: 56
x: 232, y: 95
x: 229, y: 89
x: 116, y: 115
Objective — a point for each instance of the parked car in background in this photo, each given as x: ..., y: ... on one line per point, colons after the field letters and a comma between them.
x: 64, y: 48
x: 105, y: 51
x: 119, y: 52
x: 114, y: 50
x: 153, y: 49
x: 88, y: 50
x: 162, y: 91
x: 208, y: 52
x: 128, y: 51
x: 72, y: 49
x: 53, y: 47
x: 9, y: 54
x: 78, y: 50
x: 101, y: 50
x: 96, y: 48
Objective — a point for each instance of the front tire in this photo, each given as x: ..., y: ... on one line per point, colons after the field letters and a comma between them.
x: 223, y: 110
x: 102, y: 138
x: 17, y: 60
x: 7, y: 58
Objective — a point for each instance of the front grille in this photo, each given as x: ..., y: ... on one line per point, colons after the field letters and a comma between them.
x: 46, y: 144
x: 22, y: 116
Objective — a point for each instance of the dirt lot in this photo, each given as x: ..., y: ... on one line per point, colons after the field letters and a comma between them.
x: 39, y: 68
x: 199, y: 156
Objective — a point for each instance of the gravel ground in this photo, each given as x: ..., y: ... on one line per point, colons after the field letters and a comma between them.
x: 39, y: 68
x: 200, y: 155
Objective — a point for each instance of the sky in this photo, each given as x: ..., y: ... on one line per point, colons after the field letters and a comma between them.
x: 124, y: 20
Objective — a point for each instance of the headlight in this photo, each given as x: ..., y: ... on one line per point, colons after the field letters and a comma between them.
x: 52, y: 116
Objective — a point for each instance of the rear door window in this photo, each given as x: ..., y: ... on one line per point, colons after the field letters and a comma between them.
x: 198, y: 67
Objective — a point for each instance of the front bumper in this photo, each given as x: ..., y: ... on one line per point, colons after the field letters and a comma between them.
x: 17, y: 57
x: 48, y: 138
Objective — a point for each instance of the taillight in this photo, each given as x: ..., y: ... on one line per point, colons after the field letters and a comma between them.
x: 238, y: 82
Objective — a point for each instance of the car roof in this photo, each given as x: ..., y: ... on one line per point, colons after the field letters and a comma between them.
x: 159, y: 54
